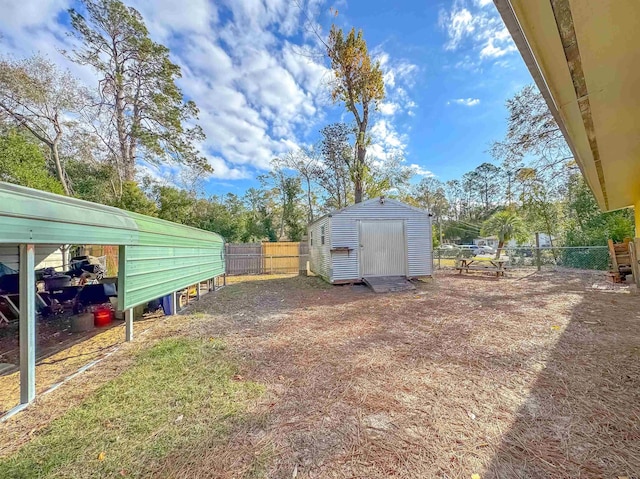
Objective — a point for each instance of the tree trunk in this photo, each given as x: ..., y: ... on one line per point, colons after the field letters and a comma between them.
x: 500, y: 246
x: 128, y: 172
x: 59, y: 170
x: 358, y: 177
x: 309, y: 200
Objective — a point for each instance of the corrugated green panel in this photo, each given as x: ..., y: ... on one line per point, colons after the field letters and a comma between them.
x: 32, y: 216
x: 156, y: 258
x: 160, y: 230
x: 25, y: 230
x: 154, y: 271
x: 155, y: 239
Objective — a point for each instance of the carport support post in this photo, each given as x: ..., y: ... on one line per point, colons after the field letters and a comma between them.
x: 128, y: 316
x: 174, y: 303
x: 538, y: 261
x: 27, y: 324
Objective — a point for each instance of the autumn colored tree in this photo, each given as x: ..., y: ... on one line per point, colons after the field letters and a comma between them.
x: 358, y: 82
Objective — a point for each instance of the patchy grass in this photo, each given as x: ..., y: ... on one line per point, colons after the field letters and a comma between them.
x: 179, y: 393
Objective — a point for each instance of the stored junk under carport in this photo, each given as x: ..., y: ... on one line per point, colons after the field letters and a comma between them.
x: 155, y: 257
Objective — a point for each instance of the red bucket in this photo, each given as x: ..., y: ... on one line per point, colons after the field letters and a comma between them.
x: 101, y: 317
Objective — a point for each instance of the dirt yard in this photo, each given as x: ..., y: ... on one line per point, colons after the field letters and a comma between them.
x: 530, y: 376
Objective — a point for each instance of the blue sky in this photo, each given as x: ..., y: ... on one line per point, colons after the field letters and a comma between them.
x: 257, y: 73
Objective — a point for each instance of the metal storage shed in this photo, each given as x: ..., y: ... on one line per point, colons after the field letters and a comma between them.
x: 156, y: 257
x: 378, y: 237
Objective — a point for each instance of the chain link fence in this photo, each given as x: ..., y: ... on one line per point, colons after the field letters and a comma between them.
x: 544, y: 258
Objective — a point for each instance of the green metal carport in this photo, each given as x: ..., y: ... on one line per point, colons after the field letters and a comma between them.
x: 156, y: 257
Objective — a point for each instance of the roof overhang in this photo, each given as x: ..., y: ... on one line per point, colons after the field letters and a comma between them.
x: 585, y: 60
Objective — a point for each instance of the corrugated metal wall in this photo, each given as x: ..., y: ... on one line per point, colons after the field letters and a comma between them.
x: 344, y: 233
x: 383, y: 248
x: 150, y: 272
x: 319, y: 254
x: 166, y: 259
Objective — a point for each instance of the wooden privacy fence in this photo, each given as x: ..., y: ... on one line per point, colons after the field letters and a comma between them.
x: 287, y: 257
x: 243, y: 258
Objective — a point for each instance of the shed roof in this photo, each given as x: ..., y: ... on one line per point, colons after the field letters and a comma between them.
x: 368, y: 202
x: 39, y: 217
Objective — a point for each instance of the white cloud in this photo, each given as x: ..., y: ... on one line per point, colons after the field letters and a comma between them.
x: 257, y: 88
x: 459, y: 24
x: 386, y: 142
x: 258, y: 76
x: 398, y: 75
x: 469, y: 23
x: 465, y: 101
x: 388, y: 108
x: 419, y: 170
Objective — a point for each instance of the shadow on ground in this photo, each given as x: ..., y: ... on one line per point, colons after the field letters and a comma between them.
x: 581, y: 417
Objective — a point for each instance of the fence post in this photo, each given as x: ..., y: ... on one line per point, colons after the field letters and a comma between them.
x: 439, y: 258
x: 538, y: 259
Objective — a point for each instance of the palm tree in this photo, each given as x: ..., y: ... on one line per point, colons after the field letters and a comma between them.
x: 506, y: 225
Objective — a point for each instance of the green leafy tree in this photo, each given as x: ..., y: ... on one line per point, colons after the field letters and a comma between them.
x: 430, y: 195
x: 286, y: 187
x: 92, y: 181
x: 587, y: 225
x: 22, y: 163
x: 506, y: 225
x: 134, y: 199
x: 388, y: 178
x: 335, y: 158
x: 138, y: 99
x: 259, y: 225
x: 292, y: 214
x: 176, y: 205
x: 35, y: 96
x: 360, y: 85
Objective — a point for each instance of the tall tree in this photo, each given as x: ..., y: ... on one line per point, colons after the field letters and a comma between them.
x: 137, y: 95
x: 531, y: 130
x: 388, y: 178
x: 36, y: 96
x: 306, y: 163
x: 359, y: 84
x: 487, y: 183
x: 286, y: 187
x: 336, y: 157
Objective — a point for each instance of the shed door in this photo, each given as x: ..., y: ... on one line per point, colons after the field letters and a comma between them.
x: 382, y: 248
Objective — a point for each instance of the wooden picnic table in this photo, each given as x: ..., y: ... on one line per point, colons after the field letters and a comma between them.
x: 482, y: 263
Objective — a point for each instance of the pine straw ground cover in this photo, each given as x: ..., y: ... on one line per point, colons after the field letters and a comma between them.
x: 530, y: 376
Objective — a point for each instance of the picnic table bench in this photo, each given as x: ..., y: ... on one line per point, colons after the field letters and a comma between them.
x: 482, y: 263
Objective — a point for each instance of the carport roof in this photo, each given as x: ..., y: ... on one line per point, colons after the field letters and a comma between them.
x: 38, y: 217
